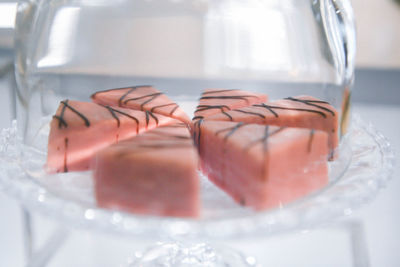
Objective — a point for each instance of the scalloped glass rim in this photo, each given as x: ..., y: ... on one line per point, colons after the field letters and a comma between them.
x: 371, y: 166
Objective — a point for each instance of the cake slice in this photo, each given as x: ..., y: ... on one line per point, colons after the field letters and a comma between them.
x: 79, y: 129
x: 301, y: 111
x: 214, y: 101
x: 144, y: 97
x: 221, y: 101
x: 263, y: 166
x: 154, y: 173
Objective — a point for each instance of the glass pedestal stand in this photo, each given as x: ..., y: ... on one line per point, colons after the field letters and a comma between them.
x: 371, y: 162
x: 178, y: 253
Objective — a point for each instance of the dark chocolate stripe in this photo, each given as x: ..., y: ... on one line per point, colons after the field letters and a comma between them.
x: 155, y: 95
x: 315, y: 101
x: 229, y: 116
x: 311, y: 103
x: 198, y: 125
x: 197, y: 118
x: 160, y: 106
x: 277, y: 131
x: 270, y: 108
x: 264, y: 139
x: 154, y: 117
x: 231, y: 130
x: 240, y: 97
x: 152, y: 97
x: 113, y: 115
x: 310, y: 140
x: 61, y: 122
x: 87, y: 122
x: 218, y: 91
x: 173, y: 110
x: 208, y: 107
x: 116, y: 89
x: 250, y: 113
x: 166, y: 105
x: 65, y: 154
x: 127, y: 115
x: 126, y: 94
x: 61, y: 119
x: 147, y: 118
x: 201, y: 108
x: 264, y: 142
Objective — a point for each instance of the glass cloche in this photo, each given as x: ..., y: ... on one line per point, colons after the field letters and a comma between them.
x: 297, y: 51
x: 71, y: 49
x: 104, y: 137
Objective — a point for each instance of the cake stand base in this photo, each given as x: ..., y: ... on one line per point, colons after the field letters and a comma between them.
x: 180, y: 254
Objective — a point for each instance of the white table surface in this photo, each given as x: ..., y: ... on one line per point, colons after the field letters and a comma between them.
x: 320, y: 247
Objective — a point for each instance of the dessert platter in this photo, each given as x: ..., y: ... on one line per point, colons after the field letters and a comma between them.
x: 132, y: 163
x: 144, y: 177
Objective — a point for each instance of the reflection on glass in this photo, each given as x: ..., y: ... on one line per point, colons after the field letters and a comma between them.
x: 7, y: 15
x: 249, y: 37
x: 61, y: 42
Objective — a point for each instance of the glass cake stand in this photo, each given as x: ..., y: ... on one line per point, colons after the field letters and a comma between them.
x: 367, y: 162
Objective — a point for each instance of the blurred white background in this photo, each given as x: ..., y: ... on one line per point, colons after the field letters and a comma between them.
x: 378, y: 33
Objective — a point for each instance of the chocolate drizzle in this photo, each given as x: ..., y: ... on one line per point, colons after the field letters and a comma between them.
x: 313, y: 103
x: 126, y: 94
x: 271, y: 109
x: 310, y: 140
x: 150, y: 96
x: 209, y: 95
x: 264, y: 139
x: 240, y: 97
x: 195, y: 118
x: 230, y: 130
x: 114, y: 113
x: 148, y: 115
x: 166, y: 105
x: 61, y: 119
x: 197, y: 133
x: 65, y: 154
x: 174, y: 109
x: 248, y: 112
x: 124, y: 99
x: 132, y: 88
x: 208, y: 107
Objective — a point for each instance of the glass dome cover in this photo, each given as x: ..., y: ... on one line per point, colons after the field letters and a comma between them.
x: 72, y: 49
